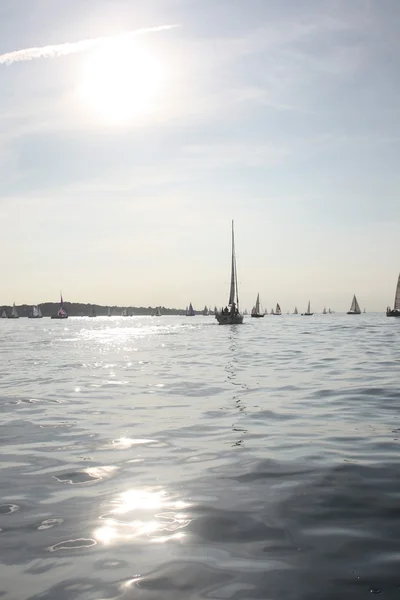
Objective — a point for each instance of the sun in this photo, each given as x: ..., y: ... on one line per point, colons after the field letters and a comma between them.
x: 121, y: 80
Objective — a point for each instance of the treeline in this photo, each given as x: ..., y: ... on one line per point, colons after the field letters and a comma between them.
x: 77, y: 309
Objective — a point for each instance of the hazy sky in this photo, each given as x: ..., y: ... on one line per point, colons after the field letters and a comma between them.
x: 123, y: 160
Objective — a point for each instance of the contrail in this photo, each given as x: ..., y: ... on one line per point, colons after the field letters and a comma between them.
x: 57, y: 50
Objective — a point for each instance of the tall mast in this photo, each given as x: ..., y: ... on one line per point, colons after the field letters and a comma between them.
x: 233, y: 271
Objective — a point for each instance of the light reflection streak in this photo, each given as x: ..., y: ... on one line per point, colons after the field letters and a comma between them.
x: 129, y: 518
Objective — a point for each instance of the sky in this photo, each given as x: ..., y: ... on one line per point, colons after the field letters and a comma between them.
x: 131, y: 133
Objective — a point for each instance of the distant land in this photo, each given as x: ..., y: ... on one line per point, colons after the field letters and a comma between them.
x: 78, y: 309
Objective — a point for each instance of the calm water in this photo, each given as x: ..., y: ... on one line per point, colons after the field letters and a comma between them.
x: 173, y: 458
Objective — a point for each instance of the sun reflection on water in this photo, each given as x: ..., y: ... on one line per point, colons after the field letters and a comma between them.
x: 138, y: 513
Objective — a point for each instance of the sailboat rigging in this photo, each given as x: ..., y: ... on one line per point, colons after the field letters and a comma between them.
x: 230, y: 315
x: 354, y: 308
x: 277, y: 310
x: 256, y: 312
x: 395, y: 312
x: 190, y: 311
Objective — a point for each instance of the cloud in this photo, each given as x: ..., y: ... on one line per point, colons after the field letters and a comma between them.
x: 57, y: 50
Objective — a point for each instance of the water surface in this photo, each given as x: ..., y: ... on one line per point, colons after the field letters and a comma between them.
x: 174, y: 458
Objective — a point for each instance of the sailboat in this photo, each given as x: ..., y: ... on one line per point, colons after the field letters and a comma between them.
x: 109, y: 311
x: 278, y: 310
x: 230, y: 315
x: 329, y: 311
x: 206, y: 312
x: 324, y: 311
x: 14, y: 313
x: 36, y: 312
x: 295, y: 312
x: 265, y: 312
x: 255, y: 312
x: 308, y: 313
x: 4, y: 314
x: 62, y: 313
x: 272, y: 312
x: 92, y: 312
x: 364, y: 311
x: 190, y: 311
x: 354, y: 308
x: 396, y: 308
x: 158, y: 311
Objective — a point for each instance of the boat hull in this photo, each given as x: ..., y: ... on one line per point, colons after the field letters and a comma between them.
x: 32, y: 317
x: 13, y: 317
x: 352, y: 312
x: 257, y: 316
x: 58, y: 317
x: 229, y: 319
x: 307, y: 314
x: 393, y: 313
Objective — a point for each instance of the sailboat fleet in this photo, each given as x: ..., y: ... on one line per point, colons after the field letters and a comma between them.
x: 230, y: 315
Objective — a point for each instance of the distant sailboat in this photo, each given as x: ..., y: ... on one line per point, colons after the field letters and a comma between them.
x: 256, y: 312
x: 265, y: 312
x: 324, y: 311
x: 329, y: 311
x: 4, y: 314
x: 92, y: 312
x: 278, y: 310
x: 308, y: 313
x: 109, y: 311
x: 231, y: 315
x: 272, y: 312
x: 396, y: 308
x: 36, y: 312
x: 364, y: 311
x: 206, y: 312
x: 295, y: 312
x: 14, y: 313
x: 62, y: 313
x: 354, y: 308
x: 158, y: 311
x: 190, y: 311
x: 125, y: 312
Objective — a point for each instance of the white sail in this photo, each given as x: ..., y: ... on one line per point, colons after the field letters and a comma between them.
x: 278, y: 310
x: 109, y: 311
x: 324, y: 311
x: 309, y: 307
x: 258, y: 304
x: 4, y: 314
x: 355, y: 308
x: 397, y: 296
x: 296, y: 312
x: 40, y: 314
x: 14, y: 312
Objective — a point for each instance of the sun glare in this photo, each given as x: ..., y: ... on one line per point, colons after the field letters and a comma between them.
x: 121, y: 80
